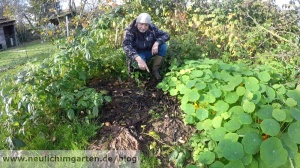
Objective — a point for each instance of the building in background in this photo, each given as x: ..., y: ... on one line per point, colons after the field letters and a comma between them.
x: 8, y: 36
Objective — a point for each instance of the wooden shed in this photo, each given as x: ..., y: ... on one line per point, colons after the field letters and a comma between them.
x: 8, y: 36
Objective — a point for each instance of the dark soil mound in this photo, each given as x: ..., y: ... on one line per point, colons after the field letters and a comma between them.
x: 137, y: 116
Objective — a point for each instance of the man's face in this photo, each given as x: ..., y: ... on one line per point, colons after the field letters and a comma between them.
x: 142, y: 27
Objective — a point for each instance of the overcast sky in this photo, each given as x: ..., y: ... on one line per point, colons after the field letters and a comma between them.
x: 281, y: 2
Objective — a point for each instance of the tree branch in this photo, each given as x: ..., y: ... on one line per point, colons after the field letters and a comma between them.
x: 271, y: 32
x: 32, y: 26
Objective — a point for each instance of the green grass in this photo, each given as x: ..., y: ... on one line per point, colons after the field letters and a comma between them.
x: 14, y: 59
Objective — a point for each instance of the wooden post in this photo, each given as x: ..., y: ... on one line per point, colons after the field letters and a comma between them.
x: 67, y: 26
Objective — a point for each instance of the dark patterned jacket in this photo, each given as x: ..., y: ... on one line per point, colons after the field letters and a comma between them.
x: 135, y: 41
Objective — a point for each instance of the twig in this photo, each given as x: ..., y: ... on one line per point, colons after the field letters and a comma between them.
x: 158, y: 140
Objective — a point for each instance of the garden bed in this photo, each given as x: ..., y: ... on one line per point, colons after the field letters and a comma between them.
x: 139, y: 118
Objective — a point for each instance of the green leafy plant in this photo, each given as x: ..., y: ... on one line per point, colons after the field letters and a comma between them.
x: 180, y: 156
x: 61, y: 135
x: 84, y: 101
x: 149, y: 160
x: 243, y: 117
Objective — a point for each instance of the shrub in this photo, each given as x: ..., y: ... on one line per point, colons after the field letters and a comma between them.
x: 242, y: 115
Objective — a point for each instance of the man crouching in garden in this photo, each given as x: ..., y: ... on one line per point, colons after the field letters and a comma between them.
x: 142, y: 41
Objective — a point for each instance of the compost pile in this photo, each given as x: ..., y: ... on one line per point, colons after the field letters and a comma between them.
x: 138, y: 115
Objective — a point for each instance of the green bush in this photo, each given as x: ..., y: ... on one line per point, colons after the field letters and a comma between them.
x: 243, y: 116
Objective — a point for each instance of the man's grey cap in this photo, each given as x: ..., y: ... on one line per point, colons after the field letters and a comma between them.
x: 143, y: 18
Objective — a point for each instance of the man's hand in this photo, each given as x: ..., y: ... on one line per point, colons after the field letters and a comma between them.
x: 155, y: 48
x: 141, y: 63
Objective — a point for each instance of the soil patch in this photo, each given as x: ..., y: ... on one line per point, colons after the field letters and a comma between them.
x: 137, y: 116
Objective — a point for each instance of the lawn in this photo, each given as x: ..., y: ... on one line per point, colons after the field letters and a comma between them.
x: 14, y: 59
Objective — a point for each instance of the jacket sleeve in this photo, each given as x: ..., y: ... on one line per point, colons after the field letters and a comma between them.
x: 160, y: 35
x: 127, y: 45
